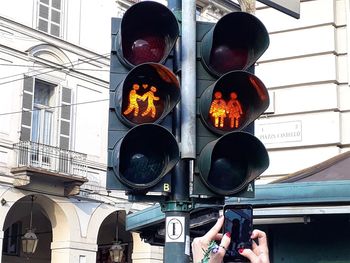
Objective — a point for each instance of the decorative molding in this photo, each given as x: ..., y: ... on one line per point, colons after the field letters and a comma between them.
x: 50, y: 53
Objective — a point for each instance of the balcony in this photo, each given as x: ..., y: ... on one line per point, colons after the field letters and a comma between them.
x: 48, y: 168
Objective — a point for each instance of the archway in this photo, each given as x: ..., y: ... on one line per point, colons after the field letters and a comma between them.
x: 112, y: 227
x: 17, y: 224
x: 48, y: 220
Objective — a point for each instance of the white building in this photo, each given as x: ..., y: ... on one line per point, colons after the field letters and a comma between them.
x: 306, y: 70
x: 54, y: 80
x: 54, y: 60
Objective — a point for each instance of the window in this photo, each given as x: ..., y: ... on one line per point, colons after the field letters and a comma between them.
x: 50, y: 17
x: 42, y: 119
x: 42, y: 123
x: 10, y: 245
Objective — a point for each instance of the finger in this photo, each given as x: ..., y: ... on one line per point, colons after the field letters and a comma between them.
x: 217, y: 254
x: 218, y: 236
x: 254, y: 245
x: 225, y: 241
x: 211, y: 234
x: 261, y: 236
x: 249, y: 254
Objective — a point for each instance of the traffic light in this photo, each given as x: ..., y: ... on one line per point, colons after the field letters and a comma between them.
x: 229, y: 97
x: 143, y: 92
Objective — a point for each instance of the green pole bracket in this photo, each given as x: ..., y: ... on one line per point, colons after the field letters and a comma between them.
x: 176, y: 206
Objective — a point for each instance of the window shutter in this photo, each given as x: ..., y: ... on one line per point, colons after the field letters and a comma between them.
x: 65, y: 118
x: 27, y: 107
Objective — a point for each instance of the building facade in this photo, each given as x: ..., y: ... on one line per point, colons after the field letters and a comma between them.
x: 54, y: 100
x: 306, y: 70
x: 54, y: 80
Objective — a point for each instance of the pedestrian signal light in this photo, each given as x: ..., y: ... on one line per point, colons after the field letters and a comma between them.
x: 235, y: 43
x: 144, y: 156
x: 228, y: 164
x: 148, y: 93
x: 148, y: 32
x: 143, y: 93
x: 233, y: 102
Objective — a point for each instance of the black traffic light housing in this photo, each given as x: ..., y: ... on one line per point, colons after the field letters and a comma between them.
x: 143, y: 92
x: 235, y: 42
x: 143, y: 157
x: 227, y: 165
x: 229, y: 98
x: 148, y: 33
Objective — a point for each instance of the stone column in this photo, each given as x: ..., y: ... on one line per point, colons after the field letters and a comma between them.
x: 145, y: 253
x: 1, y: 241
x: 73, y: 252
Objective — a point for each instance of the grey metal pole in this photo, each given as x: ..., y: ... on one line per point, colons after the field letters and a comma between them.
x: 188, y: 80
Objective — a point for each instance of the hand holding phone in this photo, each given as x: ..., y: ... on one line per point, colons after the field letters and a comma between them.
x: 238, y: 222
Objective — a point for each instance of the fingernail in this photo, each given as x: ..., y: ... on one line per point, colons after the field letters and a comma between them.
x: 240, y: 250
x: 228, y: 234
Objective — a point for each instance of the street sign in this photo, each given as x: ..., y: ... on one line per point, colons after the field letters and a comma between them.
x: 175, y: 229
x: 289, y: 7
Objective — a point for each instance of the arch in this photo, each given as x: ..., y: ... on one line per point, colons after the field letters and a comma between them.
x: 60, y: 213
x: 50, y: 53
x: 97, y: 218
x: 103, y: 225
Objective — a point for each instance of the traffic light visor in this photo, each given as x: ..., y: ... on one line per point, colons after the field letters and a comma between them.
x: 233, y: 102
x: 144, y: 156
x: 148, y: 32
x: 227, y: 165
x: 236, y: 42
x: 148, y: 93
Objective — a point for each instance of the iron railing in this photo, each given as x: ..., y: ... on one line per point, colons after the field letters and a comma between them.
x: 53, y: 159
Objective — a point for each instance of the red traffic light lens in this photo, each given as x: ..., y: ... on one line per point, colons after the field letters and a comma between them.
x: 223, y: 58
x: 235, y: 42
x: 147, y: 47
x: 148, y: 32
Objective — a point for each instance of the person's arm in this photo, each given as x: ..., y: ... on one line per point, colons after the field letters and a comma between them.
x: 215, y: 253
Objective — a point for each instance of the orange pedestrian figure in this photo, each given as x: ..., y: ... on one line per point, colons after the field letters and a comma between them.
x: 149, y: 95
x: 133, y: 104
x: 218, y: 110
x: 234, y: 110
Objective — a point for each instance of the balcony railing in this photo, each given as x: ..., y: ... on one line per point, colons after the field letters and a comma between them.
x: 53, y: 159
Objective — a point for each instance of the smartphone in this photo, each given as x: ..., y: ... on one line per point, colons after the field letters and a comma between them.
x: 239, y: 222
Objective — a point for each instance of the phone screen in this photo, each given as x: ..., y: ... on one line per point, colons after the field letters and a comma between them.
x: 239, y: 222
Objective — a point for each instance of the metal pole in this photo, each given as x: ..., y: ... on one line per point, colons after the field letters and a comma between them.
x: 188, y: 80
x: 177, y: 209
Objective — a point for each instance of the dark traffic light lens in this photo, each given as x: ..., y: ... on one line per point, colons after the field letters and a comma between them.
x: 224, y: 58
x: 227, y: 165
x: 226, y: 175
x: 142, y: 168
x: 144, y: 156
x: 147, y: 47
